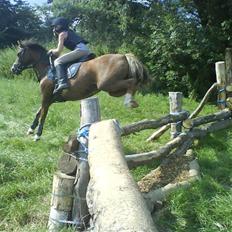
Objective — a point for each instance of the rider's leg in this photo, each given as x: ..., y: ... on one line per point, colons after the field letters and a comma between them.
x: 61, y: 73
x: 61, y: 64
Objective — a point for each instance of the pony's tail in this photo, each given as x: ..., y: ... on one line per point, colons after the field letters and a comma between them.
x: 137, y: 69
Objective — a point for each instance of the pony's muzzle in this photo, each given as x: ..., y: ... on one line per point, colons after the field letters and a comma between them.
x: 16, y: 69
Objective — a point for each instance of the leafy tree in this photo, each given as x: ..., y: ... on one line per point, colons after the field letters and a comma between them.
x: 18, y: 20
x: 109, y: 24
x: 179, y: 40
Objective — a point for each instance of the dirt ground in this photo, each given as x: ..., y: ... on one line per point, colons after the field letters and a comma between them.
x: 173, y: 171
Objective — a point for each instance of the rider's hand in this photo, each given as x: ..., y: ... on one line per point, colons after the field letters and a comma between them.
x: 53, y: 52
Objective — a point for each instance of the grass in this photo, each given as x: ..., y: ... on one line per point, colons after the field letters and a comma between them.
x: 26, y: 167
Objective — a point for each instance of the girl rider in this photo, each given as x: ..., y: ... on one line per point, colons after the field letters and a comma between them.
x: 69, y: 39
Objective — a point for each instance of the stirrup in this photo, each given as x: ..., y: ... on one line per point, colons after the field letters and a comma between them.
x: 60, y: 88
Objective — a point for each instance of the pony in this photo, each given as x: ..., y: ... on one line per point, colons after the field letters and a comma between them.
x: 116, y: 74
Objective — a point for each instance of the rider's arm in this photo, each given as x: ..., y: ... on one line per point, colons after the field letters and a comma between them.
x: 62, y: 36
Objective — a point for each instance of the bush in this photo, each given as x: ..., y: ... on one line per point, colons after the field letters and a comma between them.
x: 7, y: 58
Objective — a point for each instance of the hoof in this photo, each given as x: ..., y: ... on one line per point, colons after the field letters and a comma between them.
x: 36, y: 138
x: 30, y: 131
x: 132, y: 104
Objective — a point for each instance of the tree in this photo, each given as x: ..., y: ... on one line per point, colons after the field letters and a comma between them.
x: 179, y: 40
x: 18, y: 20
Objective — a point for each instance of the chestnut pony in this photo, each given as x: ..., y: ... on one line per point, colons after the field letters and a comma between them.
x: 113, y: 73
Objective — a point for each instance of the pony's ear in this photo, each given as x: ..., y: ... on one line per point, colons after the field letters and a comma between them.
x: 19, y: 43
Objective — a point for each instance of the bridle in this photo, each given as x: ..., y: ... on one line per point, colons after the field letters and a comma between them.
x: 34, y: 63
x: 19, y: 67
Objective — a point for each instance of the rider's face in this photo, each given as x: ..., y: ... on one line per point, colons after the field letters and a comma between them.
x: 56, y: 29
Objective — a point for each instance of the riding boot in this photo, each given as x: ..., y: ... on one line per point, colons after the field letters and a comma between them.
x: 61, y: 73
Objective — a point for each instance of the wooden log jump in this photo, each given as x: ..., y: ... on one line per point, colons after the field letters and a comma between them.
x: 68, y: 204
x: 114, y: 200
x: 89, y: 113
x: 154, y: 124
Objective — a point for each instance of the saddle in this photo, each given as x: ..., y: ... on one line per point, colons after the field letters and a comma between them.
x: 72, y: 70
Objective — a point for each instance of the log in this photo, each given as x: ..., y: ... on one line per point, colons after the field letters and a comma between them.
x: 224, y: 114
x: 175, y: 102
x: 213, y: 127
x: 180, y: 150
x: 203, y: 101
x: 186, y: 139
x: 114, y: 200
x: 89, y: 113
x: 221, y: 80
x: 61, y: 201
x: 153, y: 124
x: 62, y: 192
x: 135, y: 160
x: 228, y: 65
x: 159, y: 132
x: 68, y: 162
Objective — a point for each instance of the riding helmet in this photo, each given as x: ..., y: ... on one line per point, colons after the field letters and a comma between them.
x: 62, y: 22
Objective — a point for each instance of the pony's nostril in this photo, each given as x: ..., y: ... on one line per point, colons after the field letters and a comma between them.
x: 12, y: 69
x: 15, y: 69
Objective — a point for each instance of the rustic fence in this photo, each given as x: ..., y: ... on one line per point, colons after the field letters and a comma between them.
x: 105, y: 197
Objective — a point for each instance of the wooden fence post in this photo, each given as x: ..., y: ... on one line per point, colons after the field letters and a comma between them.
x: 90, y: 113
x: 228, y: 63
x: 61, y: 202
x: 175, y: 100
x: 221, y: 80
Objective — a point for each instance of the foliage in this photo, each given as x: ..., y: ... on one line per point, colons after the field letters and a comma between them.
x: 178, y: 40
x: 18, y: 20
x: 8, y: 57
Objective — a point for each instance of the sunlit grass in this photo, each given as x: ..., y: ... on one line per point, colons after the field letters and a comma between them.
x: 26, y: 167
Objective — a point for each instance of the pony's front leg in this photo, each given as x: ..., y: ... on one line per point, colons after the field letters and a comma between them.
x: 34, y: 123
x: 43, y: 114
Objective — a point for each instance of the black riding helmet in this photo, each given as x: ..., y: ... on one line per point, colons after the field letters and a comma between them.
x: 62, y: 22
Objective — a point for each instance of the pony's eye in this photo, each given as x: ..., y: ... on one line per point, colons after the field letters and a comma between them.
x: 20, y: 53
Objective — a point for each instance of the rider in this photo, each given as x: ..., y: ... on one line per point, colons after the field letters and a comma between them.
x: 69, y: 39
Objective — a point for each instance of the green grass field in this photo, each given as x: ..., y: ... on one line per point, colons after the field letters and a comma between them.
x: 26, y: 167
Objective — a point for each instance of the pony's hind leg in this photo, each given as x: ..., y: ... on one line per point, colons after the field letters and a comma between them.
x: 129, y: 101
x: 120, y: 88
x: 34, y: 123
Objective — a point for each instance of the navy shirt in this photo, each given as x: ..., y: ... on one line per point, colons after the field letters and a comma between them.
x: 72, y: 40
